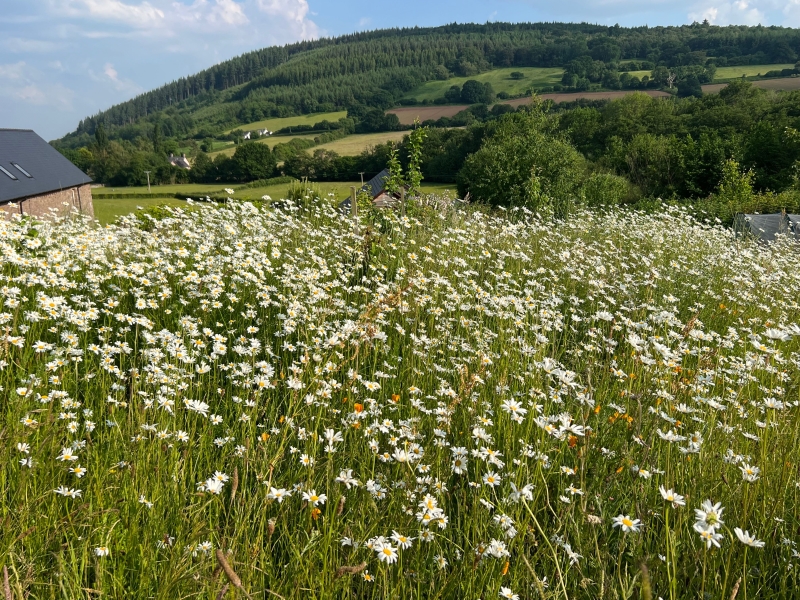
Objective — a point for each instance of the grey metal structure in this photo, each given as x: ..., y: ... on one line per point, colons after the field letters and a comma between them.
x: 794, y: 221
x: 767, y: 227
x: 29, y: 166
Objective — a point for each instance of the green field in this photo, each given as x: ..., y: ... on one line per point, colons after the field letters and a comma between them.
x: 638, y: 74
x: 167, y: 190
x: 108, y: 210
x: 280, y: 123
x: 727, y: 73
x: 269, y: 141
x: 353, y: 145
x: 499, y: 78
x: 538, y: 78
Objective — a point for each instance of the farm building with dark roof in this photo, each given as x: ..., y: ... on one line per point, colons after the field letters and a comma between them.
x: 36, y: 179
x: 376, y: 187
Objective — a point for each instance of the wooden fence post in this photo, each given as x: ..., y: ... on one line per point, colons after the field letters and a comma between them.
x: 354, y: 206
x: 403, y: 201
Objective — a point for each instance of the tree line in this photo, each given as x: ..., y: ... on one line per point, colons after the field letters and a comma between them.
x: 638, y: 150
x: 663, y: 148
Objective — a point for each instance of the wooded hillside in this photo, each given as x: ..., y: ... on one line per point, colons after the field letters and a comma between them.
x: 377, y: 69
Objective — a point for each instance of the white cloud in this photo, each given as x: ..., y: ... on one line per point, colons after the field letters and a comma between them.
x: 24, y: 86
x: 54, y: 95
x: 32, y: 94
x: 295, y: 12
x: 738, y: 12
x: 291, y: 9
x: 244, y: 24
x: 229, y: 12
x: 22, y: 45
x: 13, y: 71
x: 111, y: 72
x: 110, y: 76
x: 791, y: 13
x: 135, y: 15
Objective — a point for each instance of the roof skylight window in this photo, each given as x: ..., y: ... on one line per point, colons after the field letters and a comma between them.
x: 9, y: 173
x: 23, y: 171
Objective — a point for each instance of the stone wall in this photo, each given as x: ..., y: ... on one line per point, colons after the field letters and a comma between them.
x: 62, y: 201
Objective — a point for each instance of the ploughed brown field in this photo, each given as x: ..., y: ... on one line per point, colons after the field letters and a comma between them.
x: 407, y: 115
x: 780, y: 84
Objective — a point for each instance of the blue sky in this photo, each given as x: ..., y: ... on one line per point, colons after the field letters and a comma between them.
x: 62, y: 60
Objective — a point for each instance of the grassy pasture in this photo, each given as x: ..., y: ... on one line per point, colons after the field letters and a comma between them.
x: 347, y: 146
x: 184, y: 188
x: 638, y: 74
x: 271, y: 141
x: 353, y: 145
x: 499, y: 78
x: 783, y: 84
x: 728, y: 73
x: 280, y: 123
x: 107, y: 210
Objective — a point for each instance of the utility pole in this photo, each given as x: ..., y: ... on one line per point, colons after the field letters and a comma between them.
x: 148, y: 181
x: 354, y: 206
x: 362, y: 179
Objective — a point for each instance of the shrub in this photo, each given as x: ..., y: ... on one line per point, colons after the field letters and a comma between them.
x: 303, y: 193
x: 523, y: 163
x: 605, y: 189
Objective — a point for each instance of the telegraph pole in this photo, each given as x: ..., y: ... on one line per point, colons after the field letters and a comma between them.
x: 148, y: 181
x: 362, y: 179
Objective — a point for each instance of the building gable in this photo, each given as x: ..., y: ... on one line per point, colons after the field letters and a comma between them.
x: 29, y: 166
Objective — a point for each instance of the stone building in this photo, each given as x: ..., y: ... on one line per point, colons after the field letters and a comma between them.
x: 35, y: 177
x: 180, y: 161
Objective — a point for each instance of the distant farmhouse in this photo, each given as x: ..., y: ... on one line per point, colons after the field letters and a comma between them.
x: 261, y: 133
x: 35, y: 177
x: 376, y: 188
x: 180, y: 161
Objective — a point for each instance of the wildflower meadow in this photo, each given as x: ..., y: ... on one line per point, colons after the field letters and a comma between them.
x: 285, y: 402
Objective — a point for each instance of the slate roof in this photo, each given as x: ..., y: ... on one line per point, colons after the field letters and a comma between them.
x: 377, y: 184
x: 374, y: 187
x: 36, y: 167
